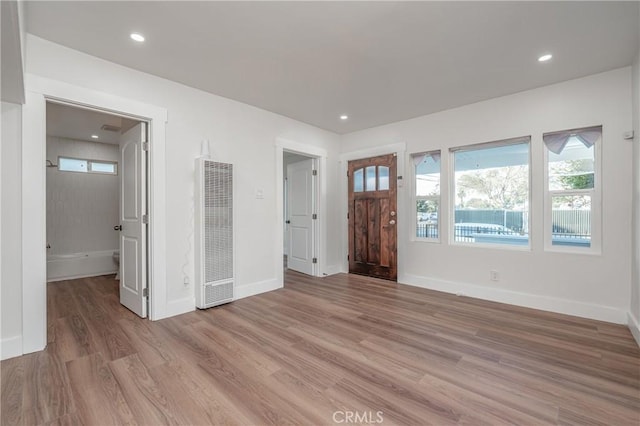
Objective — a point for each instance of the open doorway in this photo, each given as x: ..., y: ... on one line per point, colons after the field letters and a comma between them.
x: 97, y: 199
x: 300, y: 192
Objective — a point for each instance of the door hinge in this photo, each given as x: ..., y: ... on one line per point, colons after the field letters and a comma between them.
x: 347, y: 257
x: 315, y: 260
x: 314, y: 173
x: 145, y: 219
x: 314, y: 216
x: 145, y: 292
x: 145, y: 146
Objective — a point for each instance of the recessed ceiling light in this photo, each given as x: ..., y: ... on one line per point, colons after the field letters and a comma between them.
x: 94, y: 136
x: 344, y: 117
x: 137, y: 37
x: 545, y: 58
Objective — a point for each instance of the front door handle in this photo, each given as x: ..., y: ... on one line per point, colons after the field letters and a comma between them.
x: 117, y: 228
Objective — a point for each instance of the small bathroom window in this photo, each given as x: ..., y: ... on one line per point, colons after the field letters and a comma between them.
x: 79, y: 165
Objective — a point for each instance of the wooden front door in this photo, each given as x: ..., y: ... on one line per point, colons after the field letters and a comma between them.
x: 372, y: 217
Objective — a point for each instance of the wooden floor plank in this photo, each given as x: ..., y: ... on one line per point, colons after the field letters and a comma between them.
x: 12, y: 375
x: 98, y: 396
x: 316, y: 350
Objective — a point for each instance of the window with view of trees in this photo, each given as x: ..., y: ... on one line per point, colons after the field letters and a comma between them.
x: 427, y: 194
x: 491, y: 193
x: 571, y: 186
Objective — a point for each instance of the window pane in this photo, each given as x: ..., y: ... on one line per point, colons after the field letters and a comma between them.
x: 371, y: 178
x: 427, y: 225
x: 383, y: 178
x: 492, y: 194
x: 573, y: 168
x: 358, y: 182
x: 571, y: 220
x: 103, y: 167
x: 428, y: 176
x: 72, y: 165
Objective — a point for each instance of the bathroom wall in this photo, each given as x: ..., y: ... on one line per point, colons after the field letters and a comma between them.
x: 82, y: 208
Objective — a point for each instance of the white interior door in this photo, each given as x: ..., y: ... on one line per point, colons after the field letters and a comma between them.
x: 300, y: 216
x: 133, y: 230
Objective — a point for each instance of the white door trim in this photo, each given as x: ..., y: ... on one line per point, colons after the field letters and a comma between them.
x: 320, y: 227
x: 400, y: 149
x: 34, y: 294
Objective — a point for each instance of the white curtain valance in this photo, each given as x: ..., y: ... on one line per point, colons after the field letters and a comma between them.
x: 556, y: 141
x: 419, y: 158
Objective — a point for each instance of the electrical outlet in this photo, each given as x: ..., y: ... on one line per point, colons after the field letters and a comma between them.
x: 186, y: 281
x: 493, y: 275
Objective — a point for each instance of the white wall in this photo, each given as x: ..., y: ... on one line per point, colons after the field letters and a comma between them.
x: 240, y: 134
x: 12, y: 52
x: 11, y: 244
x: 594, y: 286
x: 634, y: 308
x: 82, y: 208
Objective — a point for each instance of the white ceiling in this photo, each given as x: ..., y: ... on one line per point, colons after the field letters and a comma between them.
x: 75, y: 123
x: 378, y: 62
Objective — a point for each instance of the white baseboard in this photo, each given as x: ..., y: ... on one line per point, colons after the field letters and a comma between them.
x: 332, y: 269
x: 10, y: 347
x: 634, y: 326
x: 75, y: 277
x: 177, y: 307
x: 246, y: 290
x: 528, y: 300
x: 188, y: 304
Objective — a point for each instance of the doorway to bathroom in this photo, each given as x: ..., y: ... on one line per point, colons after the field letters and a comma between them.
x: 97, y: 199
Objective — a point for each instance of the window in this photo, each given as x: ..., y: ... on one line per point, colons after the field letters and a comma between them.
x: 365, y: 179
x: 67, y: 164
x: 491, y: 193
x: 427, y: 194
x: 571, y: 188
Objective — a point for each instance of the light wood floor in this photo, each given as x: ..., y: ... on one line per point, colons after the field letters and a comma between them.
x: 316, y: 351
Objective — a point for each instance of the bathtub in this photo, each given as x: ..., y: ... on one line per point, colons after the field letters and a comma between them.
x: 80, y: 265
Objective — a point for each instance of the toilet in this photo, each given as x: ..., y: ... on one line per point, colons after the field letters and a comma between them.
x: 116, y: 260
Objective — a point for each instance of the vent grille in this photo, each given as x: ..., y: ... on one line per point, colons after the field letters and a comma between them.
x: 219, y: 293
x: 218, y: 222
x: 110, y: 128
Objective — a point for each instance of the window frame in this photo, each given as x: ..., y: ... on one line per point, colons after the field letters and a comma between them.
x: 89, y: 166
x: 595, y: 193
x: 452, y: 192
x: 415, y: 198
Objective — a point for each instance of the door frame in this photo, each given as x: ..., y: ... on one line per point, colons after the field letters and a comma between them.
x: 34, y: 273
x: 402, y: 212
x: 320, y: 190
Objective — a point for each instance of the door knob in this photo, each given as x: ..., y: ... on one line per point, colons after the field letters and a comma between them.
x: 288, y: 221
x: 392, y: 222
x: 392, y: 213
x: 117, y: 228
